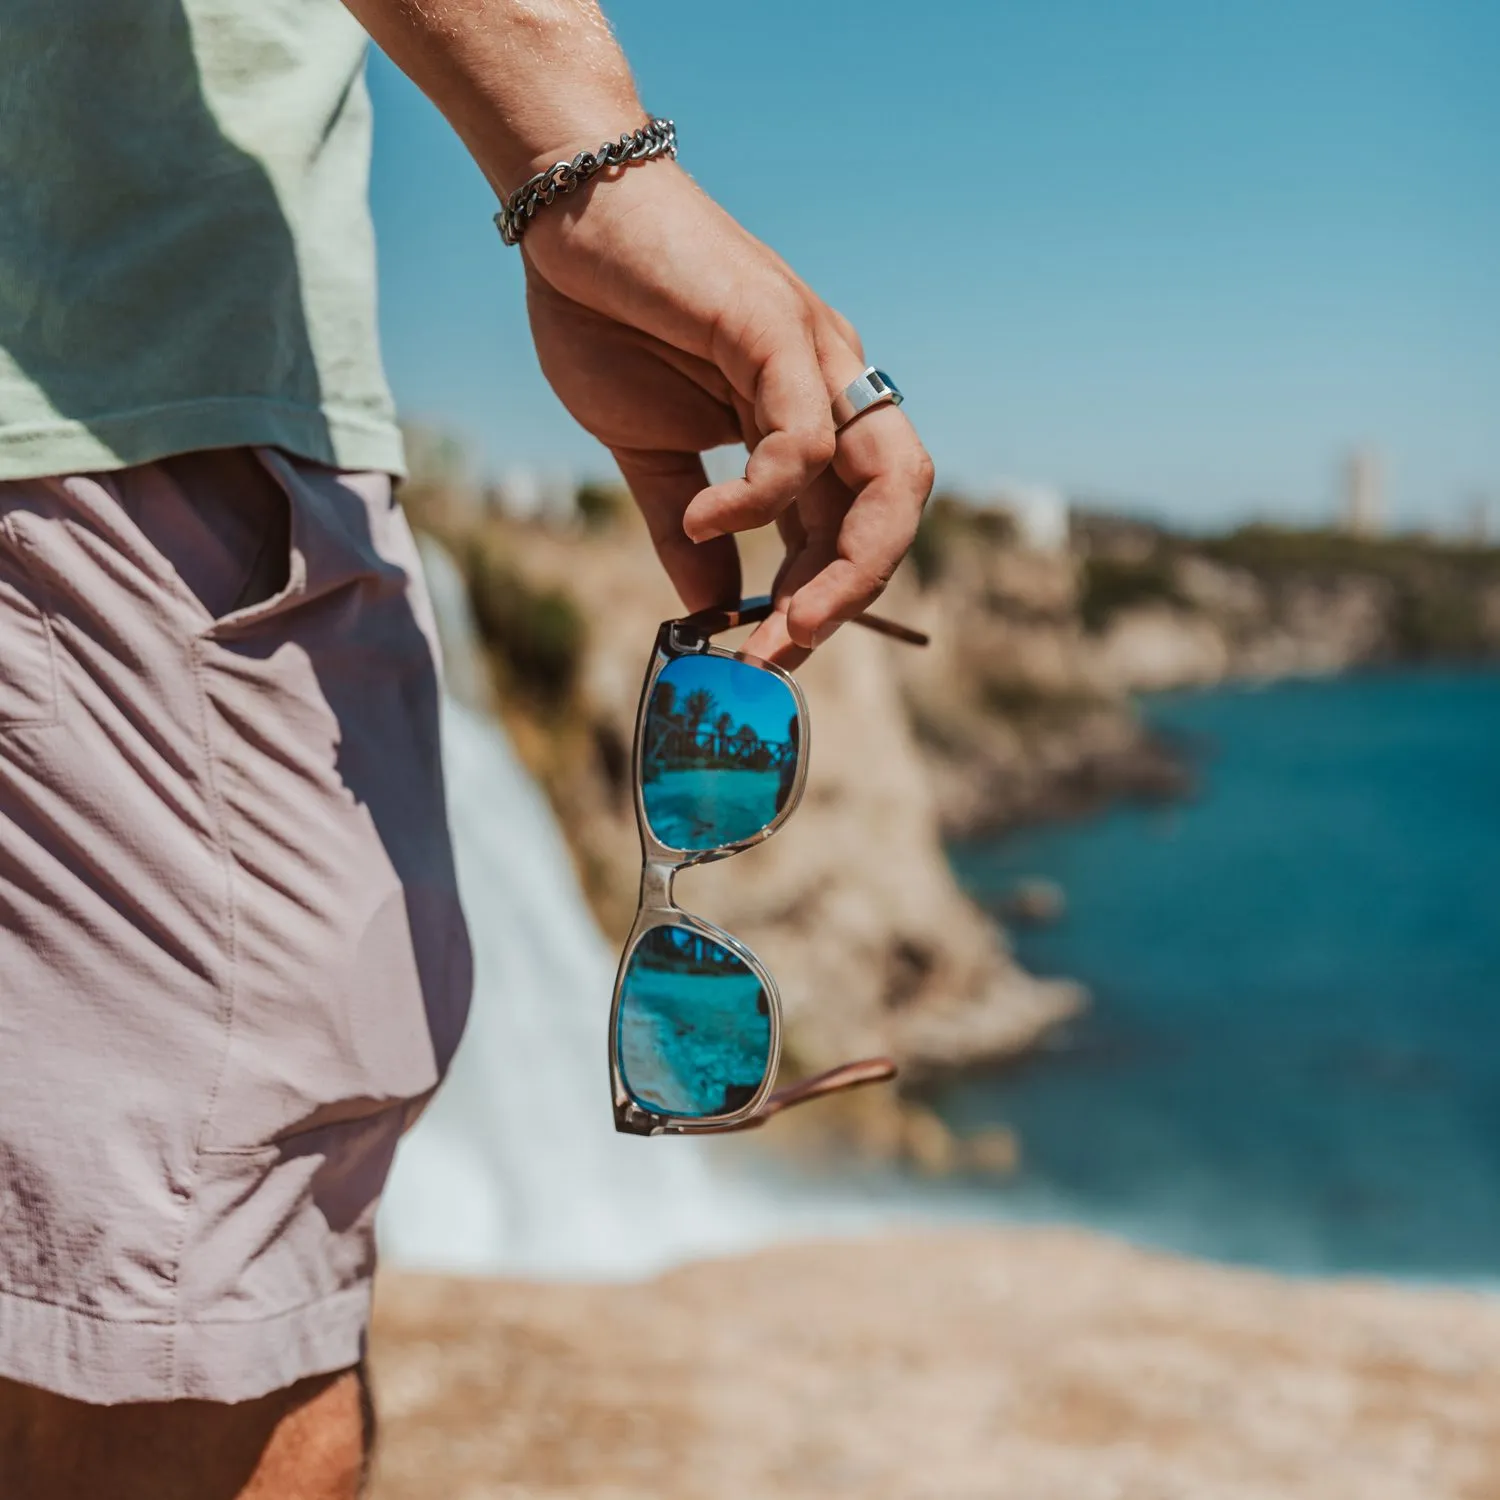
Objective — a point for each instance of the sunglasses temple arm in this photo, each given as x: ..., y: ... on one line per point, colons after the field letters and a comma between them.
x: 752, y: 611
x: 848, y: 1076
x: 881, y: 626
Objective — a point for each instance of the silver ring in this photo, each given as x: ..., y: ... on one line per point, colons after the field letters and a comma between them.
x: 871, y: 388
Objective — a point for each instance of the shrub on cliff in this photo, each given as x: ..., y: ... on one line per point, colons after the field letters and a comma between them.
x: 1437, y: 589
x: 1110, y: 584
x: 1438, y: 623
x: 536, y: 635
x: 1272, y: 550
x: 601, y: 506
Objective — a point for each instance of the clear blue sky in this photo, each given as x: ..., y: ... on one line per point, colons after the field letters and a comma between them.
x: 1177, y: 254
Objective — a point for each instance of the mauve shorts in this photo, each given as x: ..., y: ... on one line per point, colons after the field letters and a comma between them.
x: 233, y: 966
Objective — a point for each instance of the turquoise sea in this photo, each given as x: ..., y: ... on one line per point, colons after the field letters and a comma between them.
x: 1293, y: 1055
x: 701, y: 806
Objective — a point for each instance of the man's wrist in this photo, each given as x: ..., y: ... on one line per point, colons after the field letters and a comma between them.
x: 584, y: 133
x: 531, y: 145
x: 653, y: 141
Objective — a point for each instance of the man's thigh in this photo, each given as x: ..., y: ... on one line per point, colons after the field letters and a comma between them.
x: 309, y: 1442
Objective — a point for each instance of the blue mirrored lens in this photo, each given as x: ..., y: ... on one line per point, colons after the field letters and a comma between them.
x: 694, y: 1034
x: 720, y: 752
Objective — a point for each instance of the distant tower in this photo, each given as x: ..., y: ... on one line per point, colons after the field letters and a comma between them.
x: 1481, y: 520
x: 1364, y: 493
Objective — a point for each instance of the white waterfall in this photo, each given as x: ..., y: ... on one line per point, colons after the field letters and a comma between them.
x: 516, y: 1167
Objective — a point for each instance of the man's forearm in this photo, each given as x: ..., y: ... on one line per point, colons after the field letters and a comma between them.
x: 667, y: 329
x: 524, y: 82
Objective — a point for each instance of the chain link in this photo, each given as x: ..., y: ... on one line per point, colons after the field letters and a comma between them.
x: 658, y: 138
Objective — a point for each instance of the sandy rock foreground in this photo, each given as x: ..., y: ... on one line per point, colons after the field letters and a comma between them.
x: 1028, y: 1365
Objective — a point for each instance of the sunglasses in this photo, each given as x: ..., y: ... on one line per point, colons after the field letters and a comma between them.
x: 721, y: 742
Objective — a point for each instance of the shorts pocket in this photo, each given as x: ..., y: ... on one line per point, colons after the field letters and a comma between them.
x: 28, y: 669
x: 287, y: 1225
x: 220, y: 524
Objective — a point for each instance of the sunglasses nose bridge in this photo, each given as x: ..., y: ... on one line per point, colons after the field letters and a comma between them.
x: 656, y: 886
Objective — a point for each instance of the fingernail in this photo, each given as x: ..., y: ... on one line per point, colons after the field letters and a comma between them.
x: 701, y: 533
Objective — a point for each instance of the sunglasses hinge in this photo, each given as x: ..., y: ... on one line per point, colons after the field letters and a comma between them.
x: 633, y: 1120
x: 685, y: 639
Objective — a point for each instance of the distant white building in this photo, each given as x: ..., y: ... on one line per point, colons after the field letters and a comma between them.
x: 1040, y: 513
x: 528, y: 496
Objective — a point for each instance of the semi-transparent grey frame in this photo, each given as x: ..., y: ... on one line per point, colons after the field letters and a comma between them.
x: 660, y: 863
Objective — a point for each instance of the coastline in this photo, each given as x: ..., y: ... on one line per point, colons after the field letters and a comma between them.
x: 1028, y: 710
x: 1042, y: 1363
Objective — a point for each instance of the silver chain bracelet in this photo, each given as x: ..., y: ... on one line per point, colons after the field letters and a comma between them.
x: 657, y: 138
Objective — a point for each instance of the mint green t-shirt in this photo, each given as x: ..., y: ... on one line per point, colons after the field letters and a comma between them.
x: 186, y: 256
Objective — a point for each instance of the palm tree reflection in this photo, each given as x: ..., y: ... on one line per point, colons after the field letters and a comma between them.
x: 681, y: 739
x: 711, y: 774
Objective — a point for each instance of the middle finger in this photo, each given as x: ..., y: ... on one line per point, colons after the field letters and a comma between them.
x: 881, y: 462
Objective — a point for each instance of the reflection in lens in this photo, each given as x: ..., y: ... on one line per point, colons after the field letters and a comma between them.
x: 720, y: 753
x: 695, y: 1026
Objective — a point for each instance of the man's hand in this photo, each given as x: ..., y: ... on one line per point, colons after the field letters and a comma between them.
x: 666, y: 329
